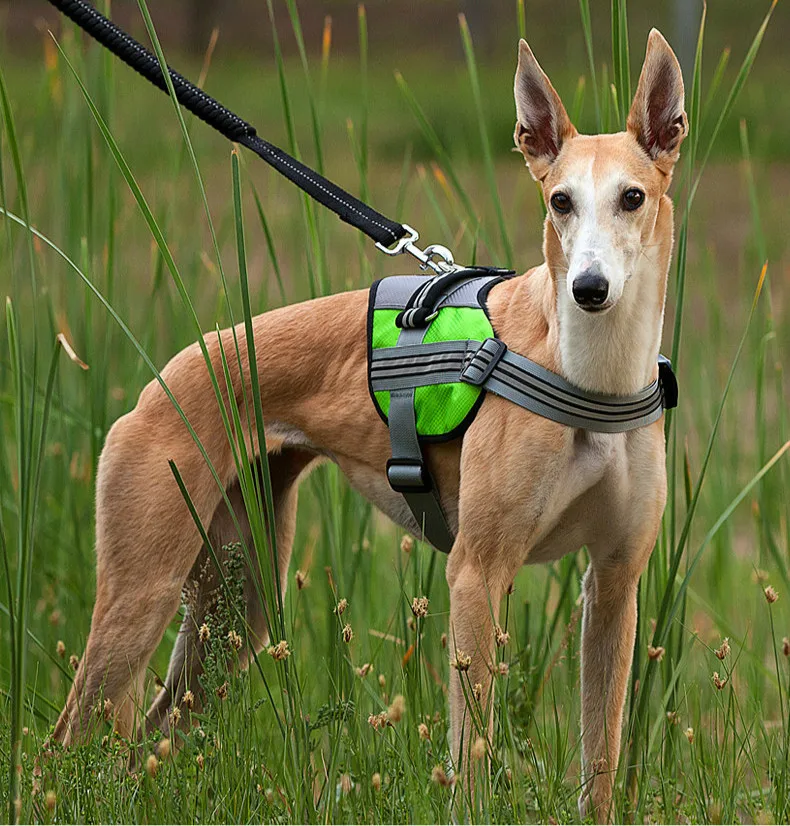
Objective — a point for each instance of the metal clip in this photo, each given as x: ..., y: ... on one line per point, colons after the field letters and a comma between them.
x: 426, y: 256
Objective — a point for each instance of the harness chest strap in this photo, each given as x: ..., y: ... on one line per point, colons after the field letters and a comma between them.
x: 493, y: 367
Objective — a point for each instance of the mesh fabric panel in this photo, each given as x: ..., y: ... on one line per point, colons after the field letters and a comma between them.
x: 441, y: 408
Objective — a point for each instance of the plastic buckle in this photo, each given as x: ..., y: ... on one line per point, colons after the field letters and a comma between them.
x: 408, y: 476
x: 668, y: 382
x: 472, y: 372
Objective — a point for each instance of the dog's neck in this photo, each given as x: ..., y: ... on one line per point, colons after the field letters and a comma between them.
x: 616, y: 353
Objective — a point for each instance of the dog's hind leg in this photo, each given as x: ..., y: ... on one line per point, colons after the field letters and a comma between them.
x: 204, y: 586
x: 146, y: 543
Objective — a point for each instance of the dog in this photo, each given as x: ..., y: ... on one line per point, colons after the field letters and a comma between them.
x: 516, y: 489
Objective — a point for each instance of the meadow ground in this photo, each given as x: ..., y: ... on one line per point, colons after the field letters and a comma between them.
x: 707, y: 734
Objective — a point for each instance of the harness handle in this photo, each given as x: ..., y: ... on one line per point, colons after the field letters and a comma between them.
x: 381, y: 229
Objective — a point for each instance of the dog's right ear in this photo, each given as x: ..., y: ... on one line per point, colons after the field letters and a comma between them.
x: 543, y: 124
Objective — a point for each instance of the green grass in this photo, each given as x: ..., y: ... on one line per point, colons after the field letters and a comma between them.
x: 147, y: 230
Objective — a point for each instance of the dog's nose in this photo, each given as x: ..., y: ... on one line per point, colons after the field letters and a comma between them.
x: 590, y: 289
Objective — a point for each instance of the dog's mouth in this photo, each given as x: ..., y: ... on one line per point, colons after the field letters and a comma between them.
x: 596, y: 309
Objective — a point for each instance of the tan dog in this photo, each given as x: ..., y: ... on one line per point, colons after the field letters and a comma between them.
x: 518, y: 488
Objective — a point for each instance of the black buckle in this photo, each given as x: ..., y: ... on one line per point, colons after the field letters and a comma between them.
x: 472, y: 372
x: 668, y: 382
x: 408, y: 476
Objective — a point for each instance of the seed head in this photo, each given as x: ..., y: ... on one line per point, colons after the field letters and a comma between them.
x: 718, y: 681
x: 478, y: 750
x: 462, y: 661
x: 151, y: 766
x: 382, y: 680
x: 503, y: 668
x: 439, y: 777
x: 424, y: 733
x: 301, y: 580
x: 51, y: 800
x: 107, y: 708
x: 477, y: 691
x: 200, y: 760
x: 341, y: 607
x: 188, y: 699
x: 175, y: 717
x: 348, y: 633
x: 234, y: 639
x: 724, y: 649
x: 222, y: 691
x: 673, y: 718
x: 378, y: 721
x: 163, y: 749
x: 770, y: 594
x: 656, y: 652
x: 61, y: 649
x: 502, y: 637
x: 74, y: 662
x: 269, y: 796
x: 280, y: 651
x: 419, y: 606
x: 690, y: 734
x: 397, y: 709
x: 786, y: 646
x: 204, y: 633
x: 364, y: 670
x: 407, y: 544
x: 375, y: 781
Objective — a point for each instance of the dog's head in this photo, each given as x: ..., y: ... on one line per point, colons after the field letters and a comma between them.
x: 602, y: 192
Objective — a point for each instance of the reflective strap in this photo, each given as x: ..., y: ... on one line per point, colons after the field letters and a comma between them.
x: 493, y: 367
x: 406, y: 471
x: 395, y: 368
x: 540, y: 391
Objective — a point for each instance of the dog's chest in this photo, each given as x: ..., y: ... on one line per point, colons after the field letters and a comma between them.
x: 586, y: 493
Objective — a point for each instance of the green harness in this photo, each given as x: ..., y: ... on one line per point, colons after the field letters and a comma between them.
x: 432, y: 355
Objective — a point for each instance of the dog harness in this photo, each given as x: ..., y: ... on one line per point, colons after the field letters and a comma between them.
x: 433, y: 354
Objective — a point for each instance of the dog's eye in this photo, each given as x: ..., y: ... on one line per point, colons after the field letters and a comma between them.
x: 633, y: 199
x: 561, y: 203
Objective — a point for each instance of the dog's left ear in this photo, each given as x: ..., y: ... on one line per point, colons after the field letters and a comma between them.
x: 657, y: 118
x: 543, y: 124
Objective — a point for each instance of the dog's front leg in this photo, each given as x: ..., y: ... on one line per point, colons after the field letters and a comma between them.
x: 476, y: 588
x: 609, y: 626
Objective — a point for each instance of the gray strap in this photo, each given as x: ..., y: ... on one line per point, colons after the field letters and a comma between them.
x: 393, y: 293
x: 492, y: 366
x: 406, y: 471
x: 537, y: 389
x: 395, y: 368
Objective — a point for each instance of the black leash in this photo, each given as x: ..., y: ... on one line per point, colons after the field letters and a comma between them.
x: 390, y: 236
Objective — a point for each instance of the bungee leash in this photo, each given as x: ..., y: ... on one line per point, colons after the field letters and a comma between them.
x: 390, y: 236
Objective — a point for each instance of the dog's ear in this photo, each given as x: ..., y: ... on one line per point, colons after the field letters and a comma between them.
x: 657, y: 118
x: 543, y: 124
